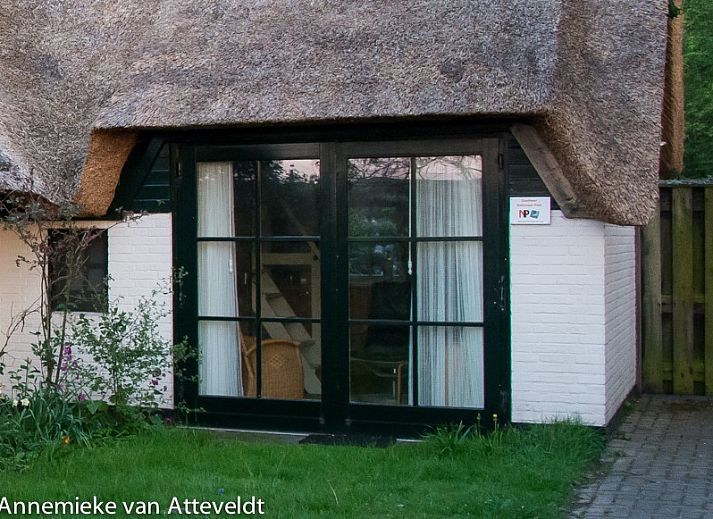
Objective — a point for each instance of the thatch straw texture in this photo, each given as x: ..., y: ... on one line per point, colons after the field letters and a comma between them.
x: 588, y: 73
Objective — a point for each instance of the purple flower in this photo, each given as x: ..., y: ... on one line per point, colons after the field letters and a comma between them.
x: 67, y: 357
x: 154, y: 382
x: 82, y: 397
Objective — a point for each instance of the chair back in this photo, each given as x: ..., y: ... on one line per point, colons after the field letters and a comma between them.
x: 282, y: 373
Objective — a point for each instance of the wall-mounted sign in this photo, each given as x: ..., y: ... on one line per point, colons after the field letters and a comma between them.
x: 534, y: 210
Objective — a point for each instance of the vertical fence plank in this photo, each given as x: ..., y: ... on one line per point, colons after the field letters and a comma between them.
x: 652, y: 376
x: 708, y: 254
x: 683, y: 355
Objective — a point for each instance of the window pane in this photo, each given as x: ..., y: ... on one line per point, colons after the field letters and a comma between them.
x: 290, y: 197
x: 215, y: 200
x: 94, y: 272
x: 244, y: 175
x: 379, y: 196
x: 217, y: 279
x: 450, y: 281
x: 290, y: 282
x: 290, y: 367
x: 448, y: 192
x: 245, y: 278
x: 83, y: 253
x: 96, y: 277
x: 221, y: 266
x: 220, y: 362
x: 450, y: 366
x: 290, y: 360
x: 379, y: 364
x: 379, y: 283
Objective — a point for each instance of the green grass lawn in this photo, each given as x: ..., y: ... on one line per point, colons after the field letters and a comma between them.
x: 525, y: 473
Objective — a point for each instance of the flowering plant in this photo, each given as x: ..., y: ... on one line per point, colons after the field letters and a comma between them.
x: 25, y: 402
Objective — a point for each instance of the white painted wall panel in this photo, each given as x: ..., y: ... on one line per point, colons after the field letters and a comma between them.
x: 19, y: 289
x: 620, y: 295
x: 140, y: 257
x: 558, y: 318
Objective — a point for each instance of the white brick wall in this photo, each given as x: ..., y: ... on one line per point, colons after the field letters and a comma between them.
x: 140, y: 257
x: 572, y: 352
x: 620, y: 298
x: 19, y: 290
x: 557, y: 320
x: 572, y: 293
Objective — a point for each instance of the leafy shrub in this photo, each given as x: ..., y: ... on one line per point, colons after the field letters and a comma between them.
x: 128, y: 356
x: 88, y: 372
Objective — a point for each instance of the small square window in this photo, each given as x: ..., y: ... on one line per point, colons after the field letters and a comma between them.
x: 78, y: 269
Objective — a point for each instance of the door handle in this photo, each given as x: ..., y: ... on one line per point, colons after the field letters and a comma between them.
x: 501, y: 288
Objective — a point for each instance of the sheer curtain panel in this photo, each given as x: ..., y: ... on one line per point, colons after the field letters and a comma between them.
x: 450, y: 281
x: 219, y: 341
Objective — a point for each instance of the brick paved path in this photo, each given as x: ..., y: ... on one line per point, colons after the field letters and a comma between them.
x: 659, y: 463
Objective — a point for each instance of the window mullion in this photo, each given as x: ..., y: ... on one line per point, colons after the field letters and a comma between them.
x: 413, y: 265
x: 258, y: 279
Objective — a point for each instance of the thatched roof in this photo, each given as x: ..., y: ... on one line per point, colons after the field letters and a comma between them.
x: 587, y: 73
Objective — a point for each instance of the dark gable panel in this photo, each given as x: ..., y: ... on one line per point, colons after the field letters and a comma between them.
x: 145, y: 180
x: 154, y: 195
x: 523, y: 179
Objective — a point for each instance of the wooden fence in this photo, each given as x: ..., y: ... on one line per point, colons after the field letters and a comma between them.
x: 677, y: 292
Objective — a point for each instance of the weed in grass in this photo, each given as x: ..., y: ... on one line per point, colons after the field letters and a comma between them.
x: 449, y: 439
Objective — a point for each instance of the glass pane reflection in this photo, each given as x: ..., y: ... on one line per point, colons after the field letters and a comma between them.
x: 379, y: 196
x: 290, y: 197
x: 379, y: 364
x: 449, y: 196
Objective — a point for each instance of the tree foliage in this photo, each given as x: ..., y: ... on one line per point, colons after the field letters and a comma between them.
x: 699, y: 87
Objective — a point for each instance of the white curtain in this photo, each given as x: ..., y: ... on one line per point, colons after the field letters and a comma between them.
x: 450, y: 281
x: 220, y: 367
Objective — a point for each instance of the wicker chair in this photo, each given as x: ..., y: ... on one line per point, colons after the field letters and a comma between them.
x: 282, y: 374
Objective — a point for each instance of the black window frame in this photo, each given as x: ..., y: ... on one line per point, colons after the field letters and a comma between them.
x: 189, y: 148
x: 413, y: 152
x: 258, y: 238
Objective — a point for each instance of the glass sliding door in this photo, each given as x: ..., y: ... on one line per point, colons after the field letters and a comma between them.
x: 345, y: 285
x: 416, y: 280
x: 379, y: 279
x: 258, y: 278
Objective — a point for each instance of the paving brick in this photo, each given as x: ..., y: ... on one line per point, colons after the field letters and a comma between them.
x: 659, y: 464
